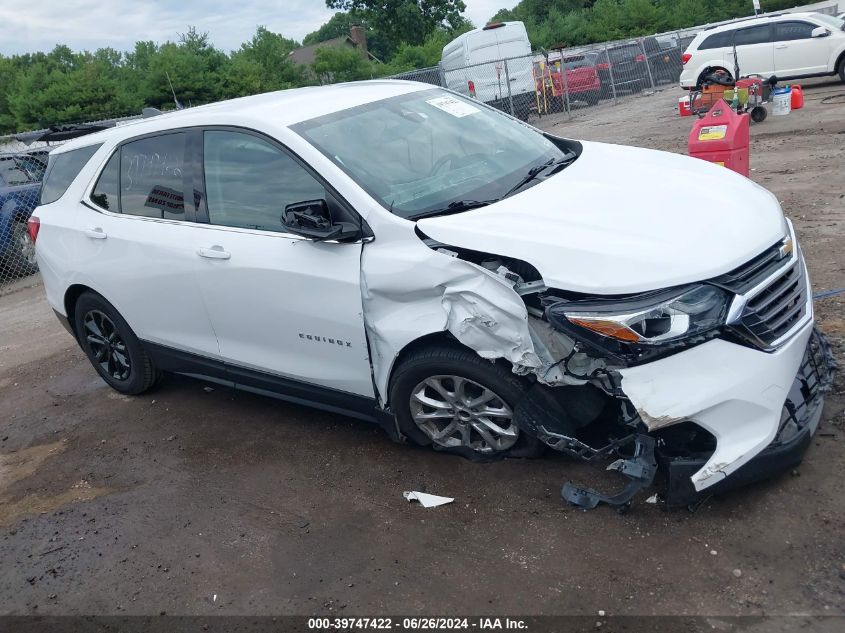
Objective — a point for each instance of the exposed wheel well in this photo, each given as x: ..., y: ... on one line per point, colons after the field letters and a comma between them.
x: 429, y: 340
x: 839, y: 62
x: 712, y: 70
x: 72, y: 295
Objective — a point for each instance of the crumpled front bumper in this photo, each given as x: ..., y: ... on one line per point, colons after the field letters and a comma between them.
x: 762, y: 408
x: 800, y: 418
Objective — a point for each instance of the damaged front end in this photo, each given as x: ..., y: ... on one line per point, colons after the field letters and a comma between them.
x: 717, y: 384
x: 696, y: 388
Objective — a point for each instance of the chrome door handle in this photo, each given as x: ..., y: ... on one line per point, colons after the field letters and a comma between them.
x: 96, y: 234
x: 215, y: 252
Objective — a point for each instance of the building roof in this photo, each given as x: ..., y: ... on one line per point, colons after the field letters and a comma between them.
x: 306, y: 55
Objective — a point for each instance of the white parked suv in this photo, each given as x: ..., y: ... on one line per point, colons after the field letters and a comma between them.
x: 409, y: 256
x: 789, y: 45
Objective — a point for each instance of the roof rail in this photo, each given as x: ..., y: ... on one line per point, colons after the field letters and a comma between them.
x: 738, y: 20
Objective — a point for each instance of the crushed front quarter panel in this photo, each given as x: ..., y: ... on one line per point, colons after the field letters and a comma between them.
x: 410, y: 291
x: 735, y: 392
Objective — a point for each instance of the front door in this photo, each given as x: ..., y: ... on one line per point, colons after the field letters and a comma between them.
x: 796, y: 51
x: 279, y: 304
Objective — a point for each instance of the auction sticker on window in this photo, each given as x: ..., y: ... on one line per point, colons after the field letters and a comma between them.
x: 713, y: 133
x: 453, y: 106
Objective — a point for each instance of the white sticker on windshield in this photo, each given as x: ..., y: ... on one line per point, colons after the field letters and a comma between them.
x: 453, y: 106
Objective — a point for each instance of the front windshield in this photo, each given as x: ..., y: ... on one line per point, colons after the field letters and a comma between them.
x: 833, y: 21
x: 417, y: 153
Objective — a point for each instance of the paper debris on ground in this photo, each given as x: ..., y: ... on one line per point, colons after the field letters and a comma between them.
x: 426, y: 500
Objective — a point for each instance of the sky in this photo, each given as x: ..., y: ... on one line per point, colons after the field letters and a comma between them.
x: 38, y: 25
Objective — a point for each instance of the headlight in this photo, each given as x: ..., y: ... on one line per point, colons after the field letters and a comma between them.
x: 696, y: 310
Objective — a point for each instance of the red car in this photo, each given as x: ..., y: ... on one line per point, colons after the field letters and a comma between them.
x: 582, y: 80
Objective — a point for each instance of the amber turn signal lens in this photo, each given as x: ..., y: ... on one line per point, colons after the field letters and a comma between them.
x: 606, y: 328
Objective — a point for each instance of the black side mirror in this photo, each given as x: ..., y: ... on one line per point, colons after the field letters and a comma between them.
x: 312, y: 219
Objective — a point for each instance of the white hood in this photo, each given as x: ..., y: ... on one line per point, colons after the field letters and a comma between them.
x: 624, y: 219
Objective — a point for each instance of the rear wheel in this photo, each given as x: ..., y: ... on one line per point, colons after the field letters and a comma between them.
x: 111, y: 346
x: 448, y: 396
x: 842, y: 69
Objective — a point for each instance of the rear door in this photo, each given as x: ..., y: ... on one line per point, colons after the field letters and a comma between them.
x: 280, y: 304
x: 136, y: 240
x: 796, y: 51
x: 754, y: 49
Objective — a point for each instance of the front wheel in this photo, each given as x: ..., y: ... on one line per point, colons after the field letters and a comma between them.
x: 450, y: 397
x: 111, y: 346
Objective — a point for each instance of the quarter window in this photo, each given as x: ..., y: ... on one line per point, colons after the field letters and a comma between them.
x: 106, y: 190
x: 152, y: 182
x: 249, y: 182
x: 753, y: 35
x: 62, y: 169
x: 788, y: 31
x: 717, y: 40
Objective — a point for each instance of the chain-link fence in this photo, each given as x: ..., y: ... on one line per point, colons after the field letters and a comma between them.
x: 567, y: 80
x: 23, y: 163
x: 22, y: 169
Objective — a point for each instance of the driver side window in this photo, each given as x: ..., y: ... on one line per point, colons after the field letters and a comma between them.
x: 248, y: 181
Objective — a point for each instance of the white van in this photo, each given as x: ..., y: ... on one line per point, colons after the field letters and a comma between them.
x: 483, y: 62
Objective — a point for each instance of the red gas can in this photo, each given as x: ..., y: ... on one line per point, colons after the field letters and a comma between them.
x: 721, y: 137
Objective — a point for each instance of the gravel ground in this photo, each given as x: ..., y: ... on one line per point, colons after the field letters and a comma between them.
x: 193, y: 500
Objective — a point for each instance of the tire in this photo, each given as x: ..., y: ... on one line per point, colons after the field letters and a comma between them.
x: 21, y: 253
x: 759, y: 114
x: 842, y: 69
x: 593, y: 97
x: 111, y: 346
x: 461, y: 372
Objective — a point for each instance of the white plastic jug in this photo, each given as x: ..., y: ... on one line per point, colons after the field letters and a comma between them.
x: 782, y: 101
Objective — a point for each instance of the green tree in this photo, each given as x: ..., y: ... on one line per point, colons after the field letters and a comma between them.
x: 405, y: 21
x: 334, y: 64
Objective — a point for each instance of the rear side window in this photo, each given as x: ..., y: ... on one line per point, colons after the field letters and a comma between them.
x: 717, y: 40
x: 787, y: 31
x: 152, y: 180
x: 62, y: 169
x: 106, y: 190
x: 753, y: 35
x: 576, y: 62
x: 624, y: 53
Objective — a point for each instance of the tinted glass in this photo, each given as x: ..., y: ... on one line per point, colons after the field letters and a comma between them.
x: 34, y: 165
x: 249, y: 182
x: 61, y: 171
x: 624, y: 53
x: 786, y: 31
x: 753, y: 35
x: 576, y: 62
x: 717, y: 40
x: 152, y: 177
x: 106, y: 190
x: 12, y: 172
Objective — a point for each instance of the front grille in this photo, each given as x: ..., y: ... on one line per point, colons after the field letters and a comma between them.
x: 773, y: 311
x: 743, y: 278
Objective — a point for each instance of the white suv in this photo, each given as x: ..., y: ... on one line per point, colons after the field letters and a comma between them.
x: 408, y: 256
x: 789, y: 45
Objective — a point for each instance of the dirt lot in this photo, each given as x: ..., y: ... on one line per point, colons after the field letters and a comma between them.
x: 199, y: 501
